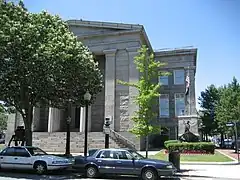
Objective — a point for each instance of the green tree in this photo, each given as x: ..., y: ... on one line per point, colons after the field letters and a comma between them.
x: 208, y: 101
x: 3, y: 118
x: 228, y: 108
x: 42, y: 62
x: 149, y: 92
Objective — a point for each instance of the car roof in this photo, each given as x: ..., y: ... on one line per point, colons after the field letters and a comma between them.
x: 21, y: 147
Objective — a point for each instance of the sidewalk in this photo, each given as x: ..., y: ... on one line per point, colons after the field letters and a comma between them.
x: 229, y: 153
x: 150, y: 153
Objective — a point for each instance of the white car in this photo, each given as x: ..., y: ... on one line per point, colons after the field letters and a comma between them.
x: 32, y: 158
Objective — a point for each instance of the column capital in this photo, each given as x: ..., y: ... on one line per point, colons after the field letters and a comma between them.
x: 110, y: 51
x: 133, y: 49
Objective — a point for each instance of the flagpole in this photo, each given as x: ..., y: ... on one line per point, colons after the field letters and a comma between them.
x: 189, y: 93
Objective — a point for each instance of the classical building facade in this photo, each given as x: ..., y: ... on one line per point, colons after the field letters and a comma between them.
x: 115, y: 45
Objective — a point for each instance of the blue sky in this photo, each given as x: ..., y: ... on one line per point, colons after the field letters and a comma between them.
x: 213, y: 26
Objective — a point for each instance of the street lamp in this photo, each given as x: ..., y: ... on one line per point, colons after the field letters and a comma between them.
x: 234, y: 124
x: 87, y: 97
x: 68, y: 121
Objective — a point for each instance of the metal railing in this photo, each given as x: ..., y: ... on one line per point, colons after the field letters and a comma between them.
x: 117, y: 136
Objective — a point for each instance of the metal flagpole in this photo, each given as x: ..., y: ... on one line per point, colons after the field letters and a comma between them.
x: 189, y: 91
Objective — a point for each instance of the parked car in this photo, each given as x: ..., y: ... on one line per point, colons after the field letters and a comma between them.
x: 123, y: 162
x: 234, y: 144
x: 24, y: 157
x: 227, y: 143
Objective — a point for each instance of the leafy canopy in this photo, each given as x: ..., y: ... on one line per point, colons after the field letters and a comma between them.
x: 208, y: 102
x: 145, y: 118
x: 228, y: 108
x: 42, y: 62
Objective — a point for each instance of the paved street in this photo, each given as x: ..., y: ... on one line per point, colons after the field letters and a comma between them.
x: 189, y: 172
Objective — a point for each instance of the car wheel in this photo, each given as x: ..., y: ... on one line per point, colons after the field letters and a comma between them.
x: 91, y: 171
x: 40, y: 167
x: 149, y: 174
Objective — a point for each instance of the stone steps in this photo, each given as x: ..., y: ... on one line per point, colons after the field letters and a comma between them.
x: 56, y: 141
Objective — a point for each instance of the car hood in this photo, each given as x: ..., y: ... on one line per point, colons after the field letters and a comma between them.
x: 52, y: 157
x: 155, y: 161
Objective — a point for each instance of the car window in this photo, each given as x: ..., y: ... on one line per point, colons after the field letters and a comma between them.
x: 107, y: 154
x: 36, y: 151
x: 122, y: 155
x: 22, y: 152
x: 8, y: 152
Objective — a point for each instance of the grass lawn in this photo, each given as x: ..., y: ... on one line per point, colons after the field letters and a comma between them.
x: 217, y: 157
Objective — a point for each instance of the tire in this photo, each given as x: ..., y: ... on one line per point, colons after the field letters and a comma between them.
x: 149, y: 174
x: 91, y: 171
x: 40, y: 167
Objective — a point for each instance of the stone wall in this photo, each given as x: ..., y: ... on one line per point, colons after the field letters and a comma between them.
x: 56, y: 141
x: 97, y: 109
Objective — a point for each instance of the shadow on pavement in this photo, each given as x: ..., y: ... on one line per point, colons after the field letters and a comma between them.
x: 14, y: 174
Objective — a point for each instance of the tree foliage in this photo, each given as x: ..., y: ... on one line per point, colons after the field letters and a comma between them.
x: 228, y: 108
x: 42, y: 62
x: 145, y: 118
x: 208, y: 101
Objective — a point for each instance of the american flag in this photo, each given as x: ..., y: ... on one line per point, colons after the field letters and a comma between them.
x: 187, y: 85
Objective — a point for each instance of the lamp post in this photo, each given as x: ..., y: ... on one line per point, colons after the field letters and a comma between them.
x: 68, y: 121
x: 87, y: 98
x: 234, y: 125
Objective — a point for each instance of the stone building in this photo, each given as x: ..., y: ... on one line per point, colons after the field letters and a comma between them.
x: 115, y: 45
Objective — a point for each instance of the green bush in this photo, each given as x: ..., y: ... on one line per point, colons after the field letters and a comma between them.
x: 203, y: 147
x: 170, y: 141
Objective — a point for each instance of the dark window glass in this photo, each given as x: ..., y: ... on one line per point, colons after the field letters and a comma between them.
x: 9, y: 152
x: 21, y: 152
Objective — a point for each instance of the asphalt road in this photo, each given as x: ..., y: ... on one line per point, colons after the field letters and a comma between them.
x: 189, y: 172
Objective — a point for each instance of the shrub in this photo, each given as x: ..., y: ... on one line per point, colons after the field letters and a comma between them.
x: 203, y: 147
x: 170, y: 141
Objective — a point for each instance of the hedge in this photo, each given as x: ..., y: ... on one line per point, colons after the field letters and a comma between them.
x: 170, y: 141
x: 204, y: 147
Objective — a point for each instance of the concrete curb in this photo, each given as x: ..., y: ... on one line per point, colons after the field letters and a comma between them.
x: 226, y: 155
x: 209, y: 163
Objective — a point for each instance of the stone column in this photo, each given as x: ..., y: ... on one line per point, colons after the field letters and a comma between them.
x: 36, y: 119
x: 54, y: 118
x: 110, y: 84
x: 50, y: 120
x: 133, y: 78
x: 82, y: 119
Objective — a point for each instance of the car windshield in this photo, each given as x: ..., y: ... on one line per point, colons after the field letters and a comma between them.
x: 136, y: 155
x: 36, y: 151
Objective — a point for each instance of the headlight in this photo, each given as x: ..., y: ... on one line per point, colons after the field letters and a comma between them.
x: 169, y: 167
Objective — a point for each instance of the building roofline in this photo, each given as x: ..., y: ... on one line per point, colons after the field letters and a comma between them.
x: 188, y: 50
x: 111, y: 25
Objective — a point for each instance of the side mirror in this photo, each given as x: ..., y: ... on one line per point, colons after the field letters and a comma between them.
x: 133, y: 159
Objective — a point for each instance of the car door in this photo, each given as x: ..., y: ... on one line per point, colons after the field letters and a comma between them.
x: 22, y: 158
x: 125, y: 164
x: 7, y: 158
x: 105, y: 162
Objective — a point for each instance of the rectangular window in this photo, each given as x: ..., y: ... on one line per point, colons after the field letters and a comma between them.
x: 163, y: 80
x: 164, y: 105
x: 179, y: 76
x: 179, y: 104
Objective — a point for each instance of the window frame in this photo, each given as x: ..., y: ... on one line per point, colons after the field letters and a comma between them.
x: 182, y: 95
x: 159, y: 80
x: 160, y: 106
x: 174, y: 76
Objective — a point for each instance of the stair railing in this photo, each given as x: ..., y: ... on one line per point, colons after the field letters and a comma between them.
x: 115, y: 135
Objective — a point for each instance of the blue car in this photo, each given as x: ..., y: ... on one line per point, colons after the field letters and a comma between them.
x: 122, y: 162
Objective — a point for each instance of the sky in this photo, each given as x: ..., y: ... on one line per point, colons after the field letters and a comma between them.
x: 212, y: 26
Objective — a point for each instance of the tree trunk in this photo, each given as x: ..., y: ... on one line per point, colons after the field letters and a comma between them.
x: 28, y: 125
x: 222, y: 140
x: 147, y: 146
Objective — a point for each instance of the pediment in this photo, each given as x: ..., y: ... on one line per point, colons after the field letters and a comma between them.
x: 88, y: 28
